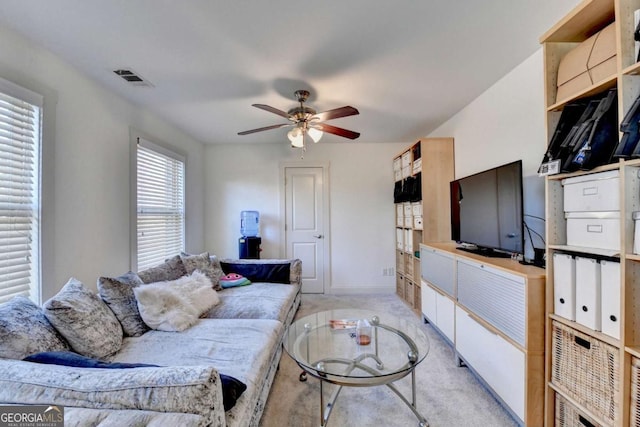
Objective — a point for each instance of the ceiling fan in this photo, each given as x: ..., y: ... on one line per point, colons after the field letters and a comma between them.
x: 305, y: 121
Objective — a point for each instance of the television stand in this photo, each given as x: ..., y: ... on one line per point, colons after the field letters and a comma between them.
x: 488, y: 252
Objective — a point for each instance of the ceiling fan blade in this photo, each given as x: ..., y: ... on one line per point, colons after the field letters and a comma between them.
x: 272, y: 110
x: 247, y: 132
x: 336, y: 113
x: 337, y: 131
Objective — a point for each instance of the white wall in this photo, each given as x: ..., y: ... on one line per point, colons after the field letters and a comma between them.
x: 85, y: 206
x: 504, y: 124
x: 246, y: 177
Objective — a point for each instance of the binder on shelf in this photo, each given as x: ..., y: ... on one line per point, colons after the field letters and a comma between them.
x: 610, y: 297
x: 564, y: 286
x: 588, y: 293
x: 630, y: 128
x: 597, y: 138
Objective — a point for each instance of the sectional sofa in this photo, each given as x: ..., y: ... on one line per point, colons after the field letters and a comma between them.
x: 192, y: 377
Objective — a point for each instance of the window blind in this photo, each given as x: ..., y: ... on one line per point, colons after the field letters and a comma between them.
x: 20, y: 122
x: 160, y: 204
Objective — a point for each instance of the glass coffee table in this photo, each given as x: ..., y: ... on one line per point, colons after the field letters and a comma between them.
x: 357, y: 348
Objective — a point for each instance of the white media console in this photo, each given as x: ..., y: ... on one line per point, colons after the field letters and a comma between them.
x: 491, y: 310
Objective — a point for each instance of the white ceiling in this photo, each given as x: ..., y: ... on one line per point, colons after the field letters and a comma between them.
x: 406, y: 65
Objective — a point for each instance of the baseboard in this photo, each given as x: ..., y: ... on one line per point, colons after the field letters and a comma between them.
x: 336, y: 290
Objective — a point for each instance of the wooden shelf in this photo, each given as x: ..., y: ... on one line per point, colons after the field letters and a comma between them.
x: 587, y: 331
x: 437, y: 170
x: 581, y: 23
x: 586, y: 251
x: 595, y: 89
x: 589, y: 17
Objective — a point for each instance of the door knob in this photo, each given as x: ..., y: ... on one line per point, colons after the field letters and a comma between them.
x: 318, y: 236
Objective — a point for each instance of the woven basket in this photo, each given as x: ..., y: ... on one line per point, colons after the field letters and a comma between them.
x: 634, y: 419
x: 568, y: 416
x: 587, y: 370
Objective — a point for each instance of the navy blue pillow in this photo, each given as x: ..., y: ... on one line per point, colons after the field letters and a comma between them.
x: 232, y: 388
x: 69, y: 358
x: 271, y: 273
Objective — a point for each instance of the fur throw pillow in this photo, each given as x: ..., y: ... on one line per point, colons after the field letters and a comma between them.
x: 176, y: 305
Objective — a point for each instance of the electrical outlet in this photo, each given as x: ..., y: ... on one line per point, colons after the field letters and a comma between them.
x: 385, y: 271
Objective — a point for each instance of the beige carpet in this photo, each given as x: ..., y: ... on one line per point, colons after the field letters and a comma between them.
x: 448, y: 396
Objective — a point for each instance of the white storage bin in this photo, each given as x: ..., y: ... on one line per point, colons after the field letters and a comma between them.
x: 592, y: 193
x: 407, y: 158
x: 400, y: 209
x: 564, y: 286
x: 610, y: 297
x: 407, y: 209
x: 397, y: 165
x: 588, y: 293
x: 594, y: 229
x: 416, y: 209
x: 398, y: 175
x: 417, y: 222
x: 400, y: 238
x: 406, y: 171
x: 408, y: 221
x: 408, y: 241
x: 417, y: 166
x: 400, y: 221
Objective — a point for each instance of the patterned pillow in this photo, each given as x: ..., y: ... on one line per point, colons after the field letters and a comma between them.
x: 84, y: 320
x: 24, y: 330
x: 118, y: 294
x: 170, y: 269
x: 203, y: 262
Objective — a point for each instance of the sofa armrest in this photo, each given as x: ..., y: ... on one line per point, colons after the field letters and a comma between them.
x: 184, y: 389
x: 295, y: 268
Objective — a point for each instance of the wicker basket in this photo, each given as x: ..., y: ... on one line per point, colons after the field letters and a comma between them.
x: 587, y: 370
x: 568, y: 416
x: 634, y: 419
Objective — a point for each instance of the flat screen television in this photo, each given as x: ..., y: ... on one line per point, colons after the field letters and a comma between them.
x: 487, y: 211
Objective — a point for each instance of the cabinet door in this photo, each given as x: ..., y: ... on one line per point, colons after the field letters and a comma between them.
x: 496, y: 296
x: 429, y: 302
x: 500, y: 364
x: 438, y: 268
x: 445, y: 315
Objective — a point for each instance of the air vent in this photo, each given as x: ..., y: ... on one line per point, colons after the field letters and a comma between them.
x: 132, y: 77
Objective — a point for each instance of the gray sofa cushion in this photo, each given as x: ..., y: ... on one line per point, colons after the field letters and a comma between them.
x: 25, y: 330
x: 242, y: 348
x: 118, y: 294
x: 189, y: 389
x: 171, y: 269
x: 203, y: 262
x: 84, y: 320
x: 83, y: 417
x: 258, y: 301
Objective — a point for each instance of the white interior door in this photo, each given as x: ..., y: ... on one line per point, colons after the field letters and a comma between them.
x: 305, y: 224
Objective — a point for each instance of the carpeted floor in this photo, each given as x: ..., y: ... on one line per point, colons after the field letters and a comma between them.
x: 448, y: 396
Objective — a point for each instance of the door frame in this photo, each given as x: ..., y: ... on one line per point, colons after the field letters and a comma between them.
x: 326, y: 222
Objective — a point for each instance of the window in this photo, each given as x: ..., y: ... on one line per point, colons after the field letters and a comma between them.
x: 20, y: 124
x: 160, y: 204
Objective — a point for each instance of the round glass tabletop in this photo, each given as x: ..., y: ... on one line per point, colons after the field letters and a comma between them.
x: 356, y: 347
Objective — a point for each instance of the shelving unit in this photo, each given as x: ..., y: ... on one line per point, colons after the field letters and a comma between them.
x: 427, y: 217
x: 616, y: 404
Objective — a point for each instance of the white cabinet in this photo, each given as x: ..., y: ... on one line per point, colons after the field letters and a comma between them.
x: 492, y: 311
x: 439, y: 310
x: 500, y: 364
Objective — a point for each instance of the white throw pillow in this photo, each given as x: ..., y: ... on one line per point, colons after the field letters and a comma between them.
x: 176, y: 305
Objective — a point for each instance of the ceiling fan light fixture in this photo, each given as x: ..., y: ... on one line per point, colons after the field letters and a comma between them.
x: 315, y: 134
x: 296, y: 137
